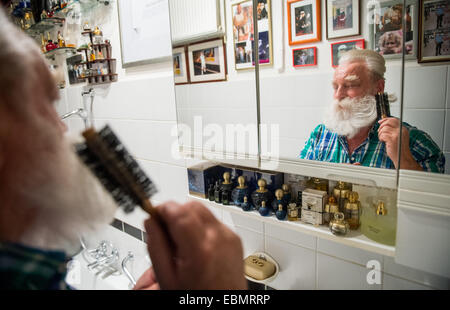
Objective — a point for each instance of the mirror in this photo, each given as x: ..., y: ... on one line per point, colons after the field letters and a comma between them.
x: 215, y: 85
x: 325, y: 101
x: 426, y: 104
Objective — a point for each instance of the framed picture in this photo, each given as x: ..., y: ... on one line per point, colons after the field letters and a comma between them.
x: 386, y: 32
x: 304, y: 57
x: 341, y: 47
x: 207, y: 61
x: 243, y: 34
x: 303, y: 21
x: 434, y: 31
x: 343, y: 18
x: 180, y: 68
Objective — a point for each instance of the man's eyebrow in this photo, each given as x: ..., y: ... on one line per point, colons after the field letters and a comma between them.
x: 352, y: 78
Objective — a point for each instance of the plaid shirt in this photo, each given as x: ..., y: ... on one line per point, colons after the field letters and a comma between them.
x: 325, y: 145
x: 25, y: 268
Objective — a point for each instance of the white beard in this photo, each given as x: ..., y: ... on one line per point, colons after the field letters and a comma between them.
x: 348, y: 116
x: 70, y: 202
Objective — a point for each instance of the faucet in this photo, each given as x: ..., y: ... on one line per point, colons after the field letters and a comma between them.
x: 83, y: 112
x: 130, y: 277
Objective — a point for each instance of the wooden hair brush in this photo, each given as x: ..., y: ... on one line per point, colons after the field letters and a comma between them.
x: 106, y: 156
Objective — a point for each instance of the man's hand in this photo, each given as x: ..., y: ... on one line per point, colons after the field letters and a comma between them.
x: 389, y: 133
x: 196, y: 251
x: 147, y: 281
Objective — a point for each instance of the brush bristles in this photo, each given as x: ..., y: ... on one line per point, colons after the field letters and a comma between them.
x: 134, y: 187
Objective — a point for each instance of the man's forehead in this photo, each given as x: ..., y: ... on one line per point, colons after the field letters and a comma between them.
x: 350, y: 71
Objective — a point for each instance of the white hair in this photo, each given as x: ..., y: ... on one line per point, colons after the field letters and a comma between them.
x: 374, y: 61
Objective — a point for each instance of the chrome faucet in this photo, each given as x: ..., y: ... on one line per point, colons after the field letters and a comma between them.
x: 130, y: 277
x: 83, y: 112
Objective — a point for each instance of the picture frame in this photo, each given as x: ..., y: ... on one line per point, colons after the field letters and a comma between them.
x: 304, y: 57
x: 180, y: 66
x: 243, y: 35
x: 207, y: 61
x: 386, y: 31
x: 434, y: 31
x: 340, y: 47
x: 343, y: 18
x: 304, y: 23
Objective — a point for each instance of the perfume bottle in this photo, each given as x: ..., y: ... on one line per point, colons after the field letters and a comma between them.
x: 340, y: 192
x: 43, y: 43
x: 378, y: 223
x: 330, y: 209
x: 293, y: 212
x: 246, y: 206
x: 50, y: 45
x: 287, y: 196
x: 238, y: 194
x: 319, y: 184
x: 211, y: 192
x: 261, y: 194
x: 217, y: 193
x: 339, y: 226
x: 226, y: 184
x: 226, y: 197
x: 281, y: 213
x: 98, y: 36
x: 264, y: 210
x: 61, y: 41
x: 278, y: 200
x: 352, y: 210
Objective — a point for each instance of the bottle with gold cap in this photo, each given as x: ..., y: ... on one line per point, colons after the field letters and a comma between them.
x: 378, y: 223
x: 352, y: 210
x: 246, y: 205
x: 281, y: 212
x: 287, y: 195
x: 226, y: 187
x: 264, y: 210
x: 338, y: 225
x: 330, y: 209
x: 340, y: 192
x: 318, y: 184
x: 279, y: 194
x: 43, y: 43
x: 262, y: 194
x: 240, y: 191
x: 293, y: 212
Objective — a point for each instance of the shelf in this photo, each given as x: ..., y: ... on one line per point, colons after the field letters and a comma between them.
x: 61, y: 51
x: 97, y: 60
x: 353, y: 238
x: 45, y: 25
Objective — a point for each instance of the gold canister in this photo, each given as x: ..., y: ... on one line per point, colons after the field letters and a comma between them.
x: 352, y: 210
x: 330, y: 209
x: 340, y: 192
x: 338, y: 225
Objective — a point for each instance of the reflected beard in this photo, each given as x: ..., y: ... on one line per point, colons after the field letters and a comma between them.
x: 347, y: 116
x: 70, y: 202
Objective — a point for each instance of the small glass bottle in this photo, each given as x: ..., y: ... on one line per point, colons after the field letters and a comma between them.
x: 226, y: 196
x: 330, y: 209
x: 217, y: 193
x: 352, y: 210
x: 339, y: 226
x: 264, y: 210
x: 281, y: 213
x: 261, y: 194
x: 287, y: 195
x: 238, y: 193
x: 278, y: 200
x: 211, y: 192
x: 292, y: 212
x: 246, y: 206
x: 340, y: 192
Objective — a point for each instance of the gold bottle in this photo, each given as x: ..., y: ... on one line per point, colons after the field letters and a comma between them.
x: 340, y: 192
x: 292, y: 212
x: 318, y: 184
x: 43, y: 43
x: 338, y: 225
x: 330, y: 209
x: 61, y: 41
x: 352, y: 210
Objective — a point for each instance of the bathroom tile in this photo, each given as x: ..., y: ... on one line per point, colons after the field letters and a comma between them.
x: 251, y: 241
x: 426, y: 87
x: 430, y: 121
x: 347, y: 253
x: 117, y: 224
x: 291, y: 236
x: 297, y: 265
x: 135, y: 218
x: 241, y: 220
x: 336, y: 274
x: 392, y: 268
x: 132, y: 231
x: 394, y: 283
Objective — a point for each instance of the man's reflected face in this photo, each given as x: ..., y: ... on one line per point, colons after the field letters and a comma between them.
x: 352, y: 80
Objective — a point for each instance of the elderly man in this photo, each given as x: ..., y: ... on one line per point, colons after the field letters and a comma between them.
x: 351, y: 133
x: 48, y: 198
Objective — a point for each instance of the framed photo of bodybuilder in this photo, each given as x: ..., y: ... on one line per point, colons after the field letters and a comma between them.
x: 243, y: 33
x: 180, y: 67
x: 207, y: 61
x: 386, y: 32
x: 303, y: 21
x: 343, y: 18
x: 338, y: 48
x: 434, y: 31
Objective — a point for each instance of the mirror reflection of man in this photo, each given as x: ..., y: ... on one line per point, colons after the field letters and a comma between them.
x: 351, y: 133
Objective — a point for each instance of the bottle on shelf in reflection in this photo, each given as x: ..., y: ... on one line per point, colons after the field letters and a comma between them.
x: 50, y: 45
x: 278, y: 200
x: 378, y: 223
x: 287, y: 196
x: 352, y: 210
x: 293, y: 212
x: 217, y: 193
x: 281, y: 213
x: 261, y: 194
x: 264, y: 210
x: 338, y: 225
x: 238, y: 193
x: 340, y: 192
x: 246, y: 206
x: 330, y: 209
x: 211, y: 192
x: 226, y: 196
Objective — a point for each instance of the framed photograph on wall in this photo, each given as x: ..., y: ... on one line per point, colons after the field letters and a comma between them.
x: 434, y: 31
x: 180, y: 68
x: 343, y: 18
x: 341, y: 47
x: 304, y: 57
x: 303, y: 21
x: 386, y: 32
x: 243, y: 34
x: 207, y: 61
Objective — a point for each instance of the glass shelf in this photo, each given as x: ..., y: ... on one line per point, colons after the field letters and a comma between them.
x: 68, y: 51
x: 45, y: 25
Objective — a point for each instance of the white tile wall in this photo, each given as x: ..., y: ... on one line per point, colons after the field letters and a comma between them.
x: 430, y: 121
x: 237, y: 220
x: 393, y: 283
x: 336, y: 274
x: 294, y: 237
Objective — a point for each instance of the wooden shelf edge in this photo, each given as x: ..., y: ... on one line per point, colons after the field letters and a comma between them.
x: 353, y: 238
